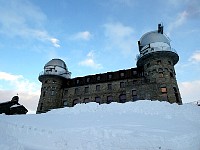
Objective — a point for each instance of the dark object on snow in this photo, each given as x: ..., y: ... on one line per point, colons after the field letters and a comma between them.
x: 12, y: 107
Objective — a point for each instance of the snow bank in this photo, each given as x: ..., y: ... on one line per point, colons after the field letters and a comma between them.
x: 141, y: 125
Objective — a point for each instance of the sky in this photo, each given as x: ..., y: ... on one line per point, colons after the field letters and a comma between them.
x: 91, y: 37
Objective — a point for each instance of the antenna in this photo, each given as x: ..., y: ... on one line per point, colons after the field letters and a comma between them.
x: 160, y: 28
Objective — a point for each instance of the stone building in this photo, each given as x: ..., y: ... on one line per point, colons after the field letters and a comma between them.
x: 154, y: 78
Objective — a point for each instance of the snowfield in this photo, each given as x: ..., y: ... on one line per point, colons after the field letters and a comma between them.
x: 141, y: 125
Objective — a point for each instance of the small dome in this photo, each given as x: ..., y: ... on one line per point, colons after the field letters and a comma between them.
x: 152, y: 37
x: 56, y: 62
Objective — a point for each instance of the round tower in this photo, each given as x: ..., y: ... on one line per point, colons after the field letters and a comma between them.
x: 157, y: 58
x: 52, y: 78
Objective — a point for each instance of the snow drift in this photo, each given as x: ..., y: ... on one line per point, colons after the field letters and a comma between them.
x: 141, y: 125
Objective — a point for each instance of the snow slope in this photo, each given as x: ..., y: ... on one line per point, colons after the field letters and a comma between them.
x: 141, y: 125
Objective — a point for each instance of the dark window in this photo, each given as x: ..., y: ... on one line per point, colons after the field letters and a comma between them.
x: 65, y: 103
x: 109, y: 99
x: 122, y: 74
x: 171, y: 75
x: 148, y: 65
x: 134, y: 72
x: 161, y: 74
x: 98, y: 100
x: 109, y: 86
x: 66, y: 92
x: 134, y: 94
x: 122, y: 85
x: 75, y: 101
x: 86, y: 100
x: 110, y: 76
x: 88, y: 80
x: 169, y: 62
x: 158, y: 62
x: 97, y: 87
x: 98, y: 78
x: 122, y: 98
x: 52, y: 92
x: 76, y: 91
x: 77, y: 81
x: 41, y: 106
x: 45, y: 81
x: 86, y: 89
x: 44, y: 93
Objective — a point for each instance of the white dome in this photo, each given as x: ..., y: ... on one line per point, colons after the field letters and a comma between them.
x: 152, y: 37
x: 56, y: 62
x: 56, y: 67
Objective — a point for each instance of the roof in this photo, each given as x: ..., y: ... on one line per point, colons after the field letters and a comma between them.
x: 56, y: 62
x: 152, y: 37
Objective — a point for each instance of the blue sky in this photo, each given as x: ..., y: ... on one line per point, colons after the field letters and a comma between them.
x: 91, y: 37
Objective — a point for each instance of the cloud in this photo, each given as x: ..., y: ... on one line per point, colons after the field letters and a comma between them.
x: 85, y: 35
x: 119, y: 37
x: 89, y: 61
x: 25, y: 20
x: 28, y: 91
x: 195, y: 58
x: 191, y: 11
x: 180, y: 20
x: 190, y: 91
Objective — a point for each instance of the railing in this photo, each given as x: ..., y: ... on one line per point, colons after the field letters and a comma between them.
x: 155, y: 49
x: 58, y: 73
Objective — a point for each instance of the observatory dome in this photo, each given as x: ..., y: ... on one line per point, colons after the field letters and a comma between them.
x: 56, y: 67
x: 56, y: 62
x: 152, y: 37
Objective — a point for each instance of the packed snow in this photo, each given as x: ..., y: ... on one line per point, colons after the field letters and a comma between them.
x: 141, y: 125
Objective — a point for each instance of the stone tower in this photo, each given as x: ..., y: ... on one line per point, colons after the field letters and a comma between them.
x: 157, y: 59
x: 52, y: 78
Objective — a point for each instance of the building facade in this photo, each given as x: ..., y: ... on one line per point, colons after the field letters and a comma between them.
x: 154, y: 78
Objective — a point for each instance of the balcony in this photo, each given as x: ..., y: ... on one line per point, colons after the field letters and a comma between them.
x: 155, y: 49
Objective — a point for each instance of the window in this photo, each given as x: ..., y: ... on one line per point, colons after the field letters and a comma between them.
x: 171, y: 75
x: 158, y: 62
x: 134, y: 94
x: 109, y: 99
x: 77, y: 81
x: 65, y: 103
x: 98, y: 99
x: 163, y: 90
x: 161, y: 74
x: 44, y: 93
x: 65, y: 92
x: 52, y: 92
x: 122, y: 98
x: 109, y: 86
x: 75, y: 101
x: 76, y: 90
x: 148, y: 65
x: 41, y: 106
x: 98, y: 78
x: 86, y: 100
x: 110, y: 76
x: 97, y: 87
x: 122, y: 85
x: 122, y: 74
x: 134, y: 72
x: 169, y: 62
x: 86, y: 89
x: 88, y: 80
